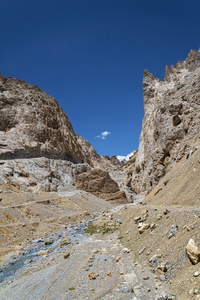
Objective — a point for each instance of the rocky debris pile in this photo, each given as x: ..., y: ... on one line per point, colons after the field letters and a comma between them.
x: 171, y: 120
x: 99, y: 183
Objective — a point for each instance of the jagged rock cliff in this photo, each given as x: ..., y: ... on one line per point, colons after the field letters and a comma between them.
x: 39, y: 149
x: 171, y: 119
x: 32, y: 124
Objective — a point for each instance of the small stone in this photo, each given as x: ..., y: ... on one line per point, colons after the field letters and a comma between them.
x: 42, y: 252
x: 66, y: 255
x: 109, y: 273
x: 187, y: 227
x: 142, y: 250
x: 196, y: 291
x: 148, y: 289
x: 118, y: 258
x: 143, y: 227
x: 144, y: 211
x: 92, y: 276
x: 146, y: 278
x: 121, y: 273
x: 71, y: 288
x: 174, y: 230
x: 153, y: 225
x: 191, y: 292
x: 159, y: 216
x: 28, y: 261
x: 154, y: 261
x: 48, y: 242
x: 136, y: 219
x: 196, y: 274
x: 166, y: 211
x: 162, y: 267
x: 162, y: 277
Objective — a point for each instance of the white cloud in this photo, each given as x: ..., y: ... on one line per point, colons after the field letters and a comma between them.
x: 103, y: 135
x: 122, y: 157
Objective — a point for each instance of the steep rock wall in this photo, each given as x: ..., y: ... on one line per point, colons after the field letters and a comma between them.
x: 171, y: 119
x: 39, y: 150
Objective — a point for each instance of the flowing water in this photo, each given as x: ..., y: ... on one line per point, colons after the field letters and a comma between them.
x: 18, y: 263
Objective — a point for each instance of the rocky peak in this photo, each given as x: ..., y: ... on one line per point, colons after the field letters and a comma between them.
x: 171, y: 120
x: 32, y: 124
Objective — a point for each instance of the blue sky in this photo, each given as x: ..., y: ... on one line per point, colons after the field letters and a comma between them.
x: 91, y: 54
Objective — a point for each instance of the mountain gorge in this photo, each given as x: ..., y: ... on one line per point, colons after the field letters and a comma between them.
x: 54, y: 185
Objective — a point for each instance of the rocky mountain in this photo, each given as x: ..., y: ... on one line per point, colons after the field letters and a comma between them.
x: 39, y: 149
x: 171, y: 120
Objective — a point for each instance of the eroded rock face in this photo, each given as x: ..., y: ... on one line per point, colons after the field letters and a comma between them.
x: 32, y: 124
x: 39, y: 150
x: 99, y: 183
x: 171, y: 120
x: 40, y: 174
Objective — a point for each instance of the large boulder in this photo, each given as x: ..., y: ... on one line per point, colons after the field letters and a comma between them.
x: 99, y: 183
x: 193, y: 252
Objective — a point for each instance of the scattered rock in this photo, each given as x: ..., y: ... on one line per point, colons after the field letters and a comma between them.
x: 163, y: 267
x: 153, y: 226
x: 137, y: 219
x: 66, y: 255
x: 193, y: 252
x: 48, y: 242
x: 109, y: 273
x: 143, y: 227
x: 166, y: 211
x: 142, y: 250
x: 144, y: 211
x: 118, y: 258
x: 42, y: 252
x: 154, y: 261
x: 162, y: 277
x: 92, y: 276
x: 174, y: 231
x: 187, y: 227
x: 196, y: 274
x: 159, y: 216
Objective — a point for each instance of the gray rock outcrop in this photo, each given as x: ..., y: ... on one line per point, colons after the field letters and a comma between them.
x: 171, y: 120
